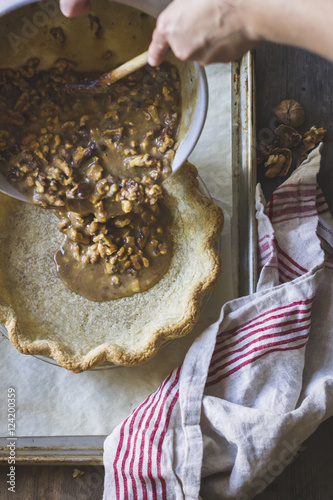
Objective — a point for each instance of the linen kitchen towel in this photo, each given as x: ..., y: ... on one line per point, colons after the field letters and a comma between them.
x: 254, y: 385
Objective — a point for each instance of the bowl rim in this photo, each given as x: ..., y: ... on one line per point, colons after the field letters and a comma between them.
x: 198, y: 123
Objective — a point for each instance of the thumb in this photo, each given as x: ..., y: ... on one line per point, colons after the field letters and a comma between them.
x: 157, y: 49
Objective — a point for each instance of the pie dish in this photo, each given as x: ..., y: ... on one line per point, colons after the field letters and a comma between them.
x: 43, y: 317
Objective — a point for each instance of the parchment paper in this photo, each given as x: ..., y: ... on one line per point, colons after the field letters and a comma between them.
x: 52, y: 401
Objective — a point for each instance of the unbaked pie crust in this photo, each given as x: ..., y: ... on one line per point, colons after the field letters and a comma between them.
x: 43, y: 317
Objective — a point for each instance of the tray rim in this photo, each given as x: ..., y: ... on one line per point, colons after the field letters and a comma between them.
x: 88, y: 450
x: 244, y: 232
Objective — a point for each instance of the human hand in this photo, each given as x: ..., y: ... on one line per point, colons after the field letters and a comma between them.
x: 72, y: 8
x: 206, y: 31
x: 223, y: 30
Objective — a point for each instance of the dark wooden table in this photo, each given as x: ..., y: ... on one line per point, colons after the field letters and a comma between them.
x: 289, y: 73
x: 282, y: 73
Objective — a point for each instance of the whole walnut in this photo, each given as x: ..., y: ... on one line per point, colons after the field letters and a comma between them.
x: 290, y: 113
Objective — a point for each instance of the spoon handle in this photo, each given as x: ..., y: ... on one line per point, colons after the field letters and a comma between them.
x: 123, y: 70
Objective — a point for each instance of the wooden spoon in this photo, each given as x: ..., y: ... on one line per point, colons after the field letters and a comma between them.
x: 101, y: 84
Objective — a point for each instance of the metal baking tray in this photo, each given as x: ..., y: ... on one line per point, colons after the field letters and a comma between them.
x: 88, y: 450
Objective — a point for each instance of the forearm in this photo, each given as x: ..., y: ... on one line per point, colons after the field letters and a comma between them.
x: 303, y: 23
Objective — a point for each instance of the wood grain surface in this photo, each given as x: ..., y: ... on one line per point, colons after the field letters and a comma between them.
x: 282, y: 73
x: 289, y: 73
x: 53, y: 483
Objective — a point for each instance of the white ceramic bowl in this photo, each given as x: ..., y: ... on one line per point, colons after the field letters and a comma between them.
x: 25, y: 32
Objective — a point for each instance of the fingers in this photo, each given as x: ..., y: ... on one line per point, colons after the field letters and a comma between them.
x: 160, y: 43
x: 204, y: 31
x: 174, y: 30
x: 71, y: 8
x: 158, y: 49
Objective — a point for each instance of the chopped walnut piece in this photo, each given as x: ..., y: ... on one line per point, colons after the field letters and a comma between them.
x: 153, y: 193
x: 164, y: 141
x: 93, y: 254
x: 166, y: 93
x: 278, y: 163
x: 100, y: 212
x: 145, y: 160
x: 122, y: 222
x: 76, y: 220
x: 145, y: 262
x: 154, y: 114
x: 64, y: 167
x: 102, y: 186
x: 82, y: 153
x: 313, y: 137
x: 94, y: 172
x: 63, y: 223
x: 78, y: 473
x: 115, y: 133
x: 126, y: 206
x: 74, y: 235
x: 39, y: 187
x: 135, y: 262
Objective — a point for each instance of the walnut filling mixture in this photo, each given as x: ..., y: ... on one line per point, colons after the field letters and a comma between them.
x: 98, y: 161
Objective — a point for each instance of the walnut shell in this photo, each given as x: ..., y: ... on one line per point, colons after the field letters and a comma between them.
x: 290, y: 113
x: 263, y: 152
x: 278, y: 163
x: 287, y: 137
